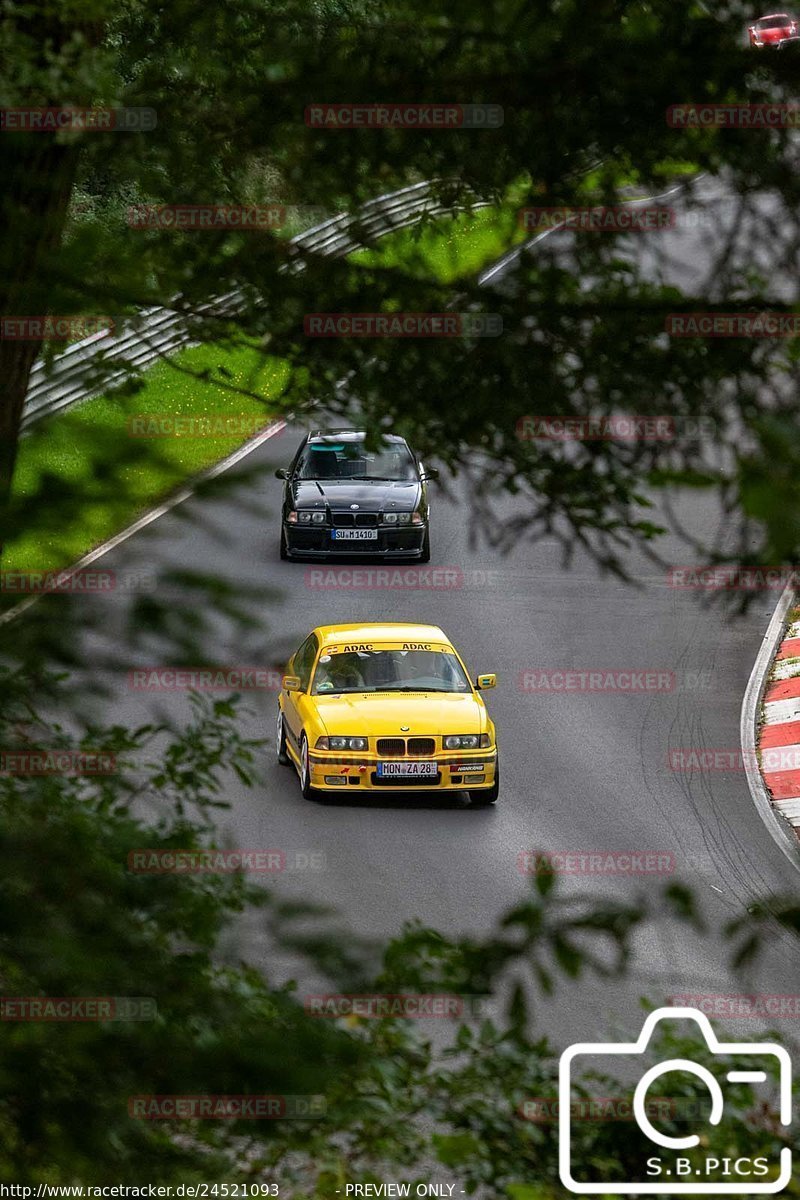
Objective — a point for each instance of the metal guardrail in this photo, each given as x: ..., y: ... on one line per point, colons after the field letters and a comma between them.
x: 101, y: 361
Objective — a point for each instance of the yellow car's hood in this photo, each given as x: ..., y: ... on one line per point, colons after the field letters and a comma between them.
x: 381, y: 714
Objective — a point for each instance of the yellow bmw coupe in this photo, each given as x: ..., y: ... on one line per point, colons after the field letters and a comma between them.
x: 386, y: 708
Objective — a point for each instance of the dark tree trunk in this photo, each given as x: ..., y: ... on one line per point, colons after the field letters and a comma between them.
x: 38, y: 182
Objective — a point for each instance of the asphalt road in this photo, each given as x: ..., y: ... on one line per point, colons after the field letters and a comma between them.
x: 581, y: 772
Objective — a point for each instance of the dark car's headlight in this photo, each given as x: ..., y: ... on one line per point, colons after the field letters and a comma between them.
x: 342, y: 743
x: 466, y: 741
x: 306, y: 518
x: 403, y: 518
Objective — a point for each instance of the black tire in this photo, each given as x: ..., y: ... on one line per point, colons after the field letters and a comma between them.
x: 425, y: 556
x: 484, y: 799
x: 309, y: 793
x: 284, y: 550
x: 280, y: 742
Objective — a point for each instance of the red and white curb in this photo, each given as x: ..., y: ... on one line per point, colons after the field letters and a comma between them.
x: 771, y: 726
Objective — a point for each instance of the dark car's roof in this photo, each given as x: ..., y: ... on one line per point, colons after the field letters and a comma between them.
x: 348, y: 435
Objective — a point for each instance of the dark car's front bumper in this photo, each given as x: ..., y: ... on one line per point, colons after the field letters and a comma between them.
x: 308, y: 542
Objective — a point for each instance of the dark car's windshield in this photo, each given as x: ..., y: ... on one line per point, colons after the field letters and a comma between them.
x: 332, y: 459
x: 389, y: 671
x: 774, y: 22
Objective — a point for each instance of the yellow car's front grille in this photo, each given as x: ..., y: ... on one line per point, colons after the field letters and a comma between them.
x: 417, y: 747
x: 391, y: 747
x: 422, y: 746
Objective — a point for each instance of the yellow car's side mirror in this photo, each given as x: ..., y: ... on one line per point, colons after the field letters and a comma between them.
x: 291, y: 683
x: 484, y: 682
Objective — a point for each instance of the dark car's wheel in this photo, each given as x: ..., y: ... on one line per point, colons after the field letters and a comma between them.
x: 483, y: 799
x: 284, y: 549
x: 425, y: 556
x: 280, y: 742
x: 309, y: 793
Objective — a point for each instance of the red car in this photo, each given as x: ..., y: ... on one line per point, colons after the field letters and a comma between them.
x: 774, y: 30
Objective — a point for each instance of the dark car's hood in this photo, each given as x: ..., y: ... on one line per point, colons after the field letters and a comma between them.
x: 371, y: 496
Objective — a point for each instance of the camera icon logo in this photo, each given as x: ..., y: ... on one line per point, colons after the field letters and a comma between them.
x: 668, y: 1173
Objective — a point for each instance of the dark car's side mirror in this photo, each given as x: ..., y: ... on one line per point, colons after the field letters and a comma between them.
x: 283, y: 473
x: 430, y: 473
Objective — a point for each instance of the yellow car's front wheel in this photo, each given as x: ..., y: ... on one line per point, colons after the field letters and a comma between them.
x: 309, y: 793
x: 280, y: 741
x: 481, y: 799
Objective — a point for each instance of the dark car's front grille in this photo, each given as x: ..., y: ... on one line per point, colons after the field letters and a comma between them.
x: 421, y: 746
x: 392, y: 747
x: 348, y: 520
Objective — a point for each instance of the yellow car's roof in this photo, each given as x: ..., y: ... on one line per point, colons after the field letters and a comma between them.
x: 386, y: 631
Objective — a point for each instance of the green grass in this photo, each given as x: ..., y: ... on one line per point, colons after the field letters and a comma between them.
x: 448, y: 248
x: 101, y: 478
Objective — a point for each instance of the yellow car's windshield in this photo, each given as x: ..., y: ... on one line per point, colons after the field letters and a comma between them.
x: 389, y: 671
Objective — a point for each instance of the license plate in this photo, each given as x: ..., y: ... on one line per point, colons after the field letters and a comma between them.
x: 354, y: 535
x: 407, y: 770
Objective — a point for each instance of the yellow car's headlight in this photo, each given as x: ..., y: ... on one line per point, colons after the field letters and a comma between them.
x: 342, y: 743
x: 467, y: 741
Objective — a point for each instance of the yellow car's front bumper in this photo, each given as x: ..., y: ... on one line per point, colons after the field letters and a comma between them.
x: 470, y: 771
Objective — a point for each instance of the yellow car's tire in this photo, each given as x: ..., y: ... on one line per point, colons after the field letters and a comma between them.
x: 280, y: 742
x: 309, y: 793
x: 483, y: 799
